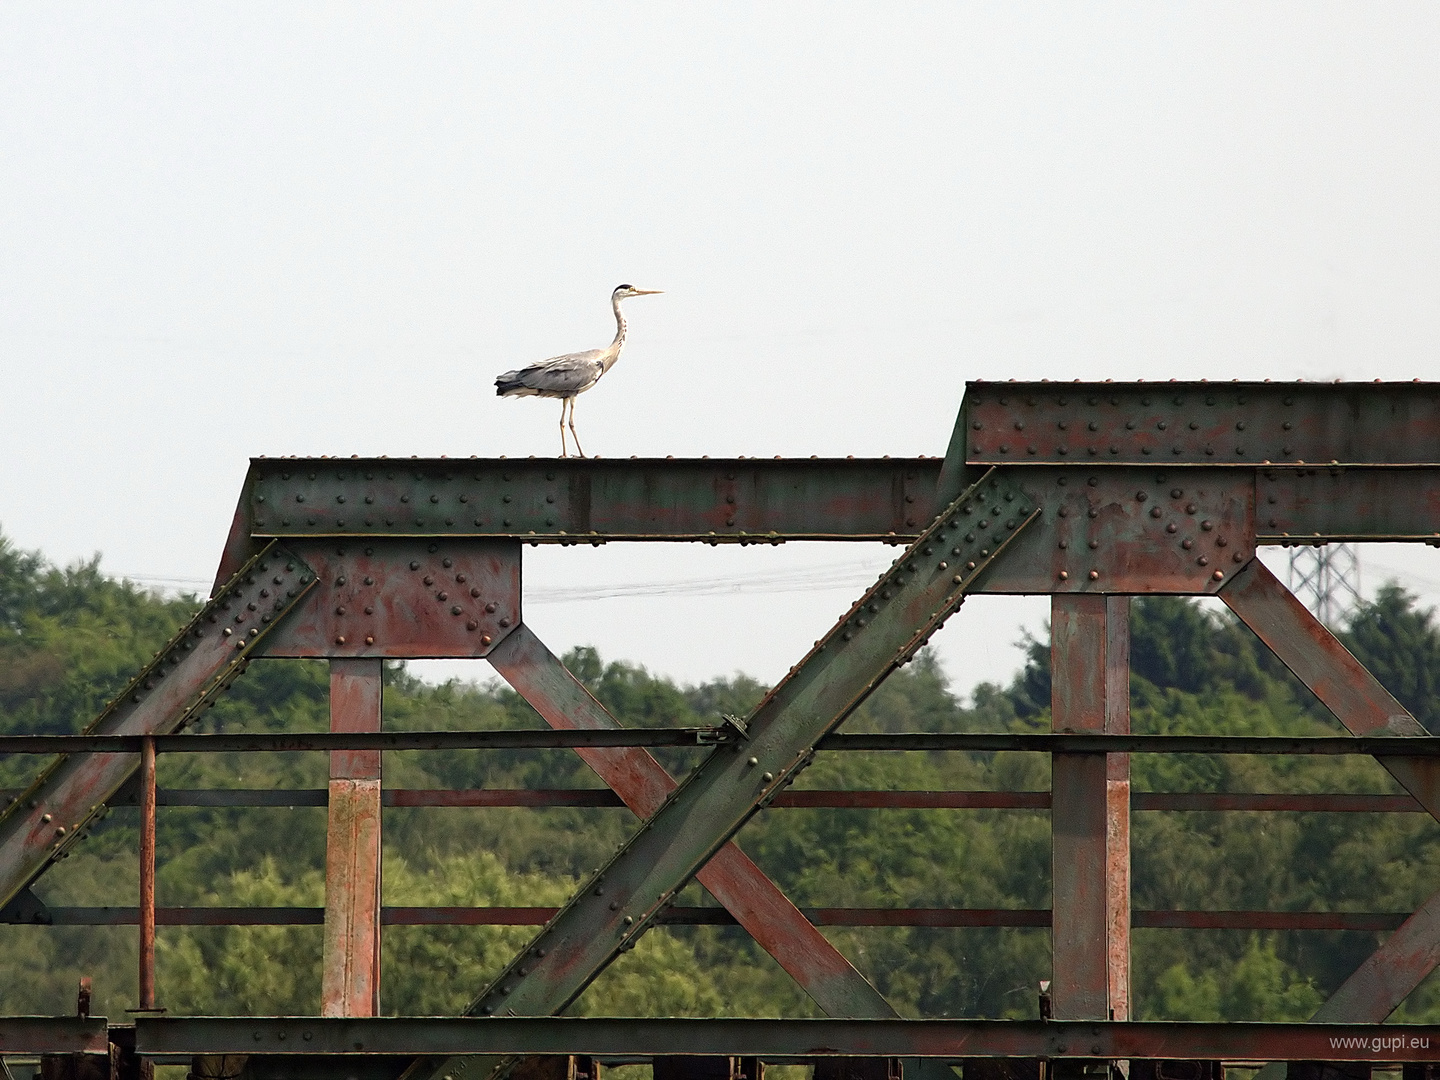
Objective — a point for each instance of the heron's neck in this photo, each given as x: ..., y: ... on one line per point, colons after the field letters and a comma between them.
x: 613, y: 352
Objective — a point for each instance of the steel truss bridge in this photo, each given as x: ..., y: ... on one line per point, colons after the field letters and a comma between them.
x: 1089, y: 492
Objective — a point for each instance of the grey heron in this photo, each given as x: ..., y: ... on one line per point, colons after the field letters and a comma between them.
x: 567, y: 376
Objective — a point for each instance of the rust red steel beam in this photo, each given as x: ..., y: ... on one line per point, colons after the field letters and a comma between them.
x: 350, y: 963
x: 1090, y: 823
x: 786, y: 1039
x: 34, y: 1036
x: 730, y: 876
x: 1365, y: 707
x: 51, y: 815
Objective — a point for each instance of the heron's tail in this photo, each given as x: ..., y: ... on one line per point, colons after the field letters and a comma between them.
x: 508, y: 383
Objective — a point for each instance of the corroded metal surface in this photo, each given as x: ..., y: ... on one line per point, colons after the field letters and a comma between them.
x: 1130, y: 531
x: 403, y: 599
x: 1198, y: 423
x: 730, y: 876
x: 185, y: 676
x: 884, y: 628
x: 350, y: 963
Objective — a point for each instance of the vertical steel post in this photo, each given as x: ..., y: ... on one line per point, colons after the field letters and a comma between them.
x: 1117, y: 806
x: 350, y: 983
x: 1090, y: 823
x: 147, y: 874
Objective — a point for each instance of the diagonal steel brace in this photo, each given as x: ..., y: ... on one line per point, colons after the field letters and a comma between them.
x: 1375, y: 989
x: 642, y: 782
x: 200, y: 662
x: 883, y: 630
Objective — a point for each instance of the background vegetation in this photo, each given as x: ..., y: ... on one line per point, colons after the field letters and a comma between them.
x: 69, y: 637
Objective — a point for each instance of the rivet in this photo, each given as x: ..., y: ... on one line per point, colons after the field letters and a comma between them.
x: 490, y: 607
x: 369, y: 640
x: 369, y: 609
x: 1094, y: 574
x: 753, y: 762
x: 1141, y: 496
x: 1218, y: 575
x: 455, y: 610
x: 471, y: 625
x: 1172, y: 527
x: 969, y: 566
x: 1064, y: 576
x: 485, y: 639
x: 442, y: 596
x: 504, y: 622
x: 340, y: 640
x: 1203, y: 561
x: 414, y: 565
x: 447, y: 562
x: 1207, y: 525
x: 767, y: 777
x: 1187, y: 544
x: 1189, y: 508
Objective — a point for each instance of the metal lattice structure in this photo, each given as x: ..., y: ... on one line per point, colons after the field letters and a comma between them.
x: 1091, y: 493
x: 1327, y: 580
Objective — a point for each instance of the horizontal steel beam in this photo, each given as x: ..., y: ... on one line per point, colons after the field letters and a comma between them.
x: 32, y: 1036
x: 1326, y: 802
x: 1201, y: 423
x: 274, y: 742
x: 909, y: 741
x: 717, y: 916
x: 747, y: 500
x: 772, y: 1039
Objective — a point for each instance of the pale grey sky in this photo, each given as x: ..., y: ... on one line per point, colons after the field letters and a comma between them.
x: 260, y: 228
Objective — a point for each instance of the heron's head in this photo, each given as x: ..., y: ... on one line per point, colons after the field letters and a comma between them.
x: 623, y: 292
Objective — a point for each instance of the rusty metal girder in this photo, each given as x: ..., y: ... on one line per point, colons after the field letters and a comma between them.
x: 730, y: 876
x: 631, y: 1037
x: 201, y: 660
x: 350, y: 963
x: 31, y: 1036
x: 1300, y: 505
x: 574, y: 500
x: 1129, y: 530
x: 1365, y: 707
x: 1200, y: 423
x: 406, y: 599
x: 882, y: 630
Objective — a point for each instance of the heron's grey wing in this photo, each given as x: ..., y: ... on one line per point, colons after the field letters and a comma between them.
x: 559, y: 376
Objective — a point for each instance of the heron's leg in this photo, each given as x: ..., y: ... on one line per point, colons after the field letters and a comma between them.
x: 564, y: 450
x: 572, y: 427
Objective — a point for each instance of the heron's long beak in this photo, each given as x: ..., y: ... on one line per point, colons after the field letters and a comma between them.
x: 648, y: 292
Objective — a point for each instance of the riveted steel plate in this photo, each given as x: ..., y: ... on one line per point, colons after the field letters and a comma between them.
x: 448, y: 597
x: 571, y: 500
x: 1197, y: 423
x: 1334, y: 503
x: 1128, y: 530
